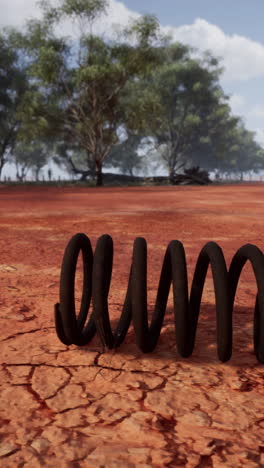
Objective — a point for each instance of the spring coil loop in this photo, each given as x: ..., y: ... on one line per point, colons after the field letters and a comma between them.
x: 97, y: 270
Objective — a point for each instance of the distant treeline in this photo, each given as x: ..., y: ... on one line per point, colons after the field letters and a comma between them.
x: 133, y: 102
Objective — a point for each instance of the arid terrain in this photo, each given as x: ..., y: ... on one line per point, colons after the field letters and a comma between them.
x: 68, y: 406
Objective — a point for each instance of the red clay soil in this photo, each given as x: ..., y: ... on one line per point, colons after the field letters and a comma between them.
x: 68, y: 406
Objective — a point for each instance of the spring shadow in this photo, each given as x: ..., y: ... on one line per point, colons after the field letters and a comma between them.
x: 205, y: 348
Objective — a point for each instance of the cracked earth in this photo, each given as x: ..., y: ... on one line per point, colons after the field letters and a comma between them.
x: 64, y: 406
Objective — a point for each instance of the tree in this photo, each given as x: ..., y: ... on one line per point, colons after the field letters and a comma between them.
x: 215, y: 146
x: 186, y: 91
x: 13, y: 85
x: 79, y: 85
x: 29, y: 156
x: 125, y: 155
x: 247, y: 154
x: 229, y: 146
x: 74, y: 160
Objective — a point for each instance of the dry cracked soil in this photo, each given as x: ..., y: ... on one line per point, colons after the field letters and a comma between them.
x: 69, y: 406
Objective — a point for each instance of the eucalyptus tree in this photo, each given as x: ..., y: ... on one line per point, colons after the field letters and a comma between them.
x: 79, y: 82
x: 228, y: 147
x: 218, y: 139
x: 125, y: 155
x: 30, y: 155
x: 73, y: 159
x: 13, y: 85
x: 185, y: 92
x: 247, y: 154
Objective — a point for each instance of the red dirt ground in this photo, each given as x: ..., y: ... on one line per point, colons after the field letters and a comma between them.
x: 80, y: 407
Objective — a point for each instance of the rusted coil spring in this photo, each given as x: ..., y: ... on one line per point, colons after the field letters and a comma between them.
x: 97, y: 270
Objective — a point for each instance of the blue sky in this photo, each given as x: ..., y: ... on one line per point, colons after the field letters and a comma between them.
x: 243, y: 17
x: 234, y: 31
x: 231, y: 29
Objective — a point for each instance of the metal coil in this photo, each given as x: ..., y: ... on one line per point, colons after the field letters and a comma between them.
x: 97, y: 270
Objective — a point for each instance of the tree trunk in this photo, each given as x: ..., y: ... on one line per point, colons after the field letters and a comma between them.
x: 37, y: 171
x: 99, y: 174
x: 171, y: 176
x: 2, y: 162
x: 19, y: 177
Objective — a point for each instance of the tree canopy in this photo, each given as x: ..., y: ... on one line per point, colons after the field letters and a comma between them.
x: 78, y: 95
x: 13, y: 86
x: 79, y: 85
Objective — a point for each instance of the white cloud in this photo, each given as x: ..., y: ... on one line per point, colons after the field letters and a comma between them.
x: 237, y: 103
x: 118, y: 15
x: 260, y: 135
x: 257, y: 127
x: 253, y: 116
x: 15, y: 12
x: 257, y: 112
x: 243, y: 58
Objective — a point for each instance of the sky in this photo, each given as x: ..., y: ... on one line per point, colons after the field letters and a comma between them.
x: 232, y: 30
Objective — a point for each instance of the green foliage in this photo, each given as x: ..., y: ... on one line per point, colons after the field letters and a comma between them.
x: 141, y: 106
x: 33, y: 155
x: 88, y: 8
x: 125, y: 155
x: 13, y: 86
x: 74, y: 9
x: 247, y: 154
x: 79, y: 93
x: 145, y: 30
x: 184, y: 92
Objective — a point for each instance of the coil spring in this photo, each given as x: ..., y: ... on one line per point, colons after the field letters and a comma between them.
x: 97, y: 270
